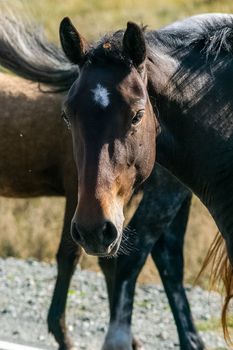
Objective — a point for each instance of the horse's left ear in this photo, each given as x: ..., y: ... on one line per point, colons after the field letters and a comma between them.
x: 73, y: 44
x: 134, y: 44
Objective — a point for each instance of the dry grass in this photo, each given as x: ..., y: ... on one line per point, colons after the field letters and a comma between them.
x: 32, y: 228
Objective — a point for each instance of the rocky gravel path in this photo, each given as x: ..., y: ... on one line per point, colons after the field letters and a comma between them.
x: 26, y: 288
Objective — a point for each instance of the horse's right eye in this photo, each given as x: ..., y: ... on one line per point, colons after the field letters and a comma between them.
x: 137, y: 117
x: 66, y: 119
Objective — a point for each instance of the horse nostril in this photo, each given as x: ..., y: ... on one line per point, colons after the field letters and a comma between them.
x: 109, y: 233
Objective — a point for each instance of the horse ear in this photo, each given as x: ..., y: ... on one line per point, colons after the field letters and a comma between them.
x: 134, y: 44
x: 73, y: 44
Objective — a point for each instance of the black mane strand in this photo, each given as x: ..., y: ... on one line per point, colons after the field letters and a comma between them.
x: 212, y: 34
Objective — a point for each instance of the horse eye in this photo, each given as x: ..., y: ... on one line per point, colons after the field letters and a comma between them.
x: 66, y: 120
x: 137, y: 117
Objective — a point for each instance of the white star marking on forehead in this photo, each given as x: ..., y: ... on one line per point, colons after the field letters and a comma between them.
x: 101, y: 96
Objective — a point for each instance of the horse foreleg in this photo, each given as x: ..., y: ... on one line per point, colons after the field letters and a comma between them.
x: 127, y: 268
x: 108, y: 267
x: 168, y: 257
x: 67, y: 258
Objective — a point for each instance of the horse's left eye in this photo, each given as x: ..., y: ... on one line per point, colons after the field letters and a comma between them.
x: 137, y: 117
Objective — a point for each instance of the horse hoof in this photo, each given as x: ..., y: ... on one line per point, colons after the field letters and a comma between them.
x: 194, y: 342
x: 116, y: 344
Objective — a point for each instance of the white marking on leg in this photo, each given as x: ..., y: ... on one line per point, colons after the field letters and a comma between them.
x: 101, y: 96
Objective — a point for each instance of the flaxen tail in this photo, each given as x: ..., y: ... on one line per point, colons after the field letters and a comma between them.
x: 25, y: 51
x: 221, y: 277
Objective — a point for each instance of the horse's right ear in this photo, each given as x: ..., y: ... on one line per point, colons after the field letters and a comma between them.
x: 73, y: 44
x: 134, y: 44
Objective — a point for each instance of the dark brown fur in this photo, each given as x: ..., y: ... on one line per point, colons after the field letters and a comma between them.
x: 29, y: 135
x: 197, y: 135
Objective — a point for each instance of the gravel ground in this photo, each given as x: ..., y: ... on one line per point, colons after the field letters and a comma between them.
x: 26, y: 288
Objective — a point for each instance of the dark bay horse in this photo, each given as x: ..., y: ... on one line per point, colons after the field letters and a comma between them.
x: 36, y: 159
x: 181, y: 76
x: 43, y: 172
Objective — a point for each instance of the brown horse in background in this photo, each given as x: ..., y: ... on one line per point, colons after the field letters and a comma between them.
x: 40, y: 161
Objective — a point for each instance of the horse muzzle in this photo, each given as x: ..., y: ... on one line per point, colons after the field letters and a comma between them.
x: 102, y: 240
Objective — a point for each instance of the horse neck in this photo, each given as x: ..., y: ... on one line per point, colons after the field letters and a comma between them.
x: 196, y: 141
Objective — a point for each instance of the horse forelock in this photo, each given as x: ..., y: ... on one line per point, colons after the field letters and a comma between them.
x: 109, y: 49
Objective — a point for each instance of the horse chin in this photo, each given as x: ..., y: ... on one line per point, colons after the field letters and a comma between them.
x: 115, y: 247
x: 111, y: 252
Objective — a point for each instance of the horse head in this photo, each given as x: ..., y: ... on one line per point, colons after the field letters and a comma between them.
x: 113, y: 128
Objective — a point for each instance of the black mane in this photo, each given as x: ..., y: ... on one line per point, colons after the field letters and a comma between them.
x: 202, y: 47
x: 212, y: 34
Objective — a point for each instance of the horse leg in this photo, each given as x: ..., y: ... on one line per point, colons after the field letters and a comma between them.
x: 127, y: 268
x: 108, y: 267
x: 67, y: 258
x: 167, y: 254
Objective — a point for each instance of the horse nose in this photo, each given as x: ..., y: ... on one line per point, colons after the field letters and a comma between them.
x: 109, y: 233
x: 96, y: 241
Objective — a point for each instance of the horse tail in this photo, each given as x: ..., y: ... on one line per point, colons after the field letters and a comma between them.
x: 221, y: 276
x: 25, y: 51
